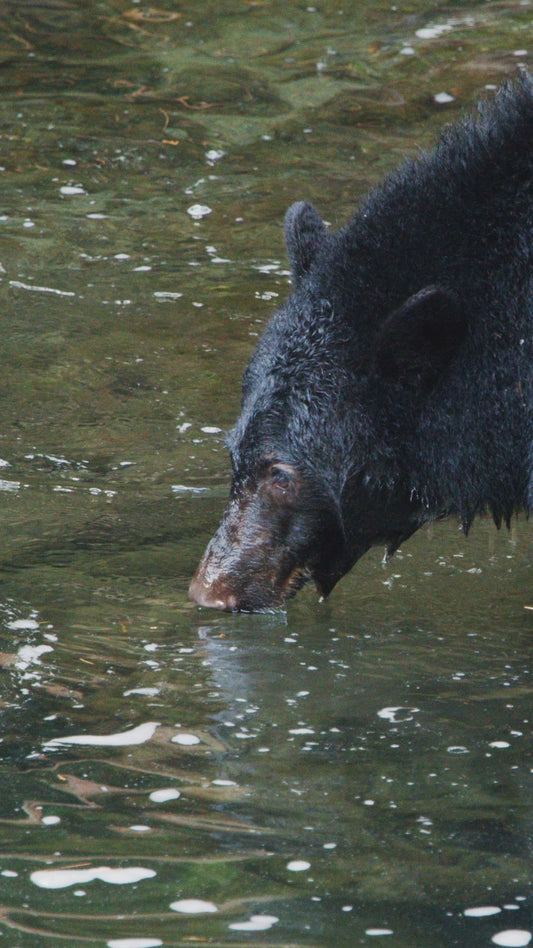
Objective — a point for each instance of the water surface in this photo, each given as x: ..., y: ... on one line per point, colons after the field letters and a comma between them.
x: 353, y: 773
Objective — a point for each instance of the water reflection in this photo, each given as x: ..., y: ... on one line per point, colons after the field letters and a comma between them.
x: 298, y: 771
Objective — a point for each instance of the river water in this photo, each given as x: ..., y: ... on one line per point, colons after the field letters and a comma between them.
x: 352, y: 773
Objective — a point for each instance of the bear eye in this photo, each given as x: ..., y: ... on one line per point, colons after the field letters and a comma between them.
x: 283, y: 477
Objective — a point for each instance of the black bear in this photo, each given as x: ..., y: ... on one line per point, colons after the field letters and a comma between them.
x: 394, y: 386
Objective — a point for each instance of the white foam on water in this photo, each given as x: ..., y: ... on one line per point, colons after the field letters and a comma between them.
x: 298, y: 865
x: 197, y: 211
x: 268, y: 267
x: 26, y: 624
x: 9, y: 485
x: 148, y: 692
x: 30, y: 655
x: 39, y: 289
x: 137, y: 735
x: 398, y: 714
x: 163, y: 796
x: 256, y: 923
x: 193, y: 906
x: 482, y: 911
x: 214, y: 154
x: 512, y: 938
x: 63, y: 878
x: 432, y: 32
x: 134, y: 943
x: 187, y: 740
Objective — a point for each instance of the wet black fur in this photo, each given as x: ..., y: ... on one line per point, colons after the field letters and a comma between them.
x: 459, y: 219
x: 398, y: 375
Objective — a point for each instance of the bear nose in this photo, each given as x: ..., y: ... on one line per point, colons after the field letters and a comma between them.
x: 206, y: 595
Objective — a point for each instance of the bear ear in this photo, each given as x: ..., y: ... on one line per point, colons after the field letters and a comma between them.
x: 305, y: 233
x: 418, y: 341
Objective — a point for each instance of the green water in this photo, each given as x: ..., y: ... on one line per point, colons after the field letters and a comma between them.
x: 354, y: 773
